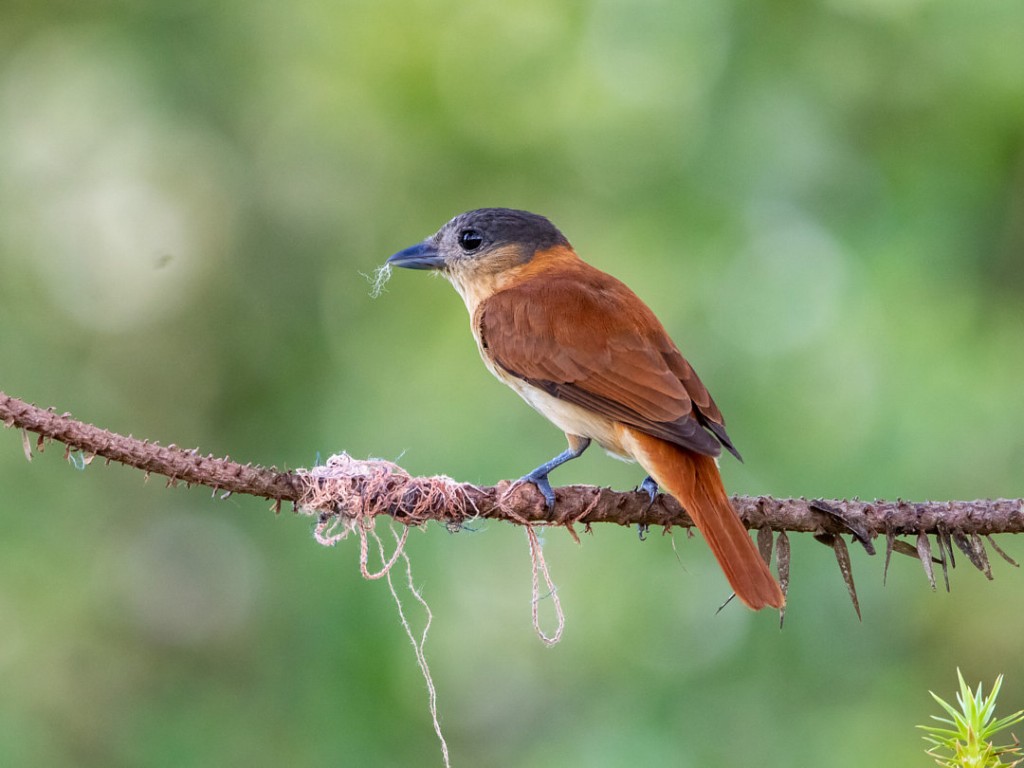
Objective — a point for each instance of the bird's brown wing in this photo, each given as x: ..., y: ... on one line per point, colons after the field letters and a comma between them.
x: 584, y: 337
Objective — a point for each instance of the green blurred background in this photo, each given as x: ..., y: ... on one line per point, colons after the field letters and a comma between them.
x: 824, y: 203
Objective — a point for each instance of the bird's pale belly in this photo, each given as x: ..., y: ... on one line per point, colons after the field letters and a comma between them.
x: 570, y: 418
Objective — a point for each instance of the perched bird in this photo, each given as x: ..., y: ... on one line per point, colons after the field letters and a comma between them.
x: 584, y: 351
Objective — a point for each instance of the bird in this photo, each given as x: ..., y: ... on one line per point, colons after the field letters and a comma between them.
x: 588, y: 354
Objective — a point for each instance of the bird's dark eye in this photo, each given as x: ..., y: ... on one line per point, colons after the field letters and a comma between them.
x: 470, y: 239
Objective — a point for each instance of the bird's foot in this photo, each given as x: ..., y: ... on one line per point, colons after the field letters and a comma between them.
x: 651, y: 486
x: 539, y: 476
x: 540, y: 480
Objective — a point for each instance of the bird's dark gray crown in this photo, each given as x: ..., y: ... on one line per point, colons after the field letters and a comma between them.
x: 500, y: 226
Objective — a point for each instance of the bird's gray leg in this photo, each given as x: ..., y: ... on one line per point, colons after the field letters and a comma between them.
x: 651, y: 486
x: 539, y: 476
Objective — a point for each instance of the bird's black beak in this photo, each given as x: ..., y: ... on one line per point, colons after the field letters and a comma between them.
x: 420, y: 256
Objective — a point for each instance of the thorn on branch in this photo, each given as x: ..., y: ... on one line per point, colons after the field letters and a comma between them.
x: 765, y: 541
x: 975, y: 551
x: 842, y: 554
x: 782, y: 566
x: 846, y: 568
x: 979, y: 547
x: 924, y: 554
x: 890, y: 542
x: 945, y: 540
x: 859, y: 531
x: 905, y: 548
x: 998, y: 549
x: 728, y: 600
x: 943, y: 559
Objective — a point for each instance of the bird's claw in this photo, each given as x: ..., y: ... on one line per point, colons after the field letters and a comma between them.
x: 651, y: 486
x: 540, y: 481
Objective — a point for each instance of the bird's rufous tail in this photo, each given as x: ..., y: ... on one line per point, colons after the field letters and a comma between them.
x: 693, y: 480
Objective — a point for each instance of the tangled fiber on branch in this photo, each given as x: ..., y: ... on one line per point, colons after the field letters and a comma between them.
x: 345, y: 492
x: 348, y: 496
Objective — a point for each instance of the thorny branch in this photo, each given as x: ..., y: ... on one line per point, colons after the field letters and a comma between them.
x: 347, y: 488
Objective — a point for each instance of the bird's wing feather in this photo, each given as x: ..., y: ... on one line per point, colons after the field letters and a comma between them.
x: 584, y: 337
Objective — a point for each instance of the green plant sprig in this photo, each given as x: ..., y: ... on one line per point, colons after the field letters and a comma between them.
x: 968, y: 743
